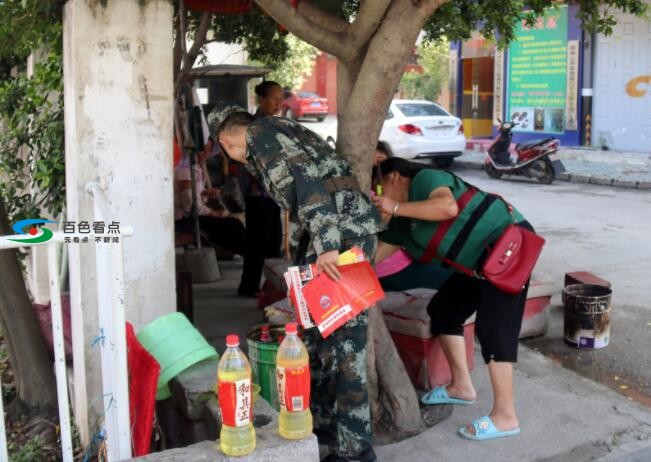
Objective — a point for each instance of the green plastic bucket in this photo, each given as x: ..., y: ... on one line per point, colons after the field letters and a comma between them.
x: 262, y: 357
x: 176, y: 344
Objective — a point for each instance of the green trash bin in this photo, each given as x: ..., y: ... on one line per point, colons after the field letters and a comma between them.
x: 262, y: 357
x: 176, y: 344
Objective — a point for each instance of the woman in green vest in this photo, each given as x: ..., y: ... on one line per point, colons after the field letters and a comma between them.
x: 433, y: 213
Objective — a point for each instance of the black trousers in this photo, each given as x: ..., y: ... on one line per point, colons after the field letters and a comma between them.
x: 228, y: 232
x: 263, y: 239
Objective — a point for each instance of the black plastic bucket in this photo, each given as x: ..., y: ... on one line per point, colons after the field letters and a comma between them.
x: 587, y: 315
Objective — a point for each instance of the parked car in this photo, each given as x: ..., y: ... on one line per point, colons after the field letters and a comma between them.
x: 305, y: 104
x: 423, y: 131
x: 326, y: 130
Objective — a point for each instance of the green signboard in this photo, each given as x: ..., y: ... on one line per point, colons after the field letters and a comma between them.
x: 537, y: 75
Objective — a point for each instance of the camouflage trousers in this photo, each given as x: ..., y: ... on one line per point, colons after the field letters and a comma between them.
x: 339, y: 394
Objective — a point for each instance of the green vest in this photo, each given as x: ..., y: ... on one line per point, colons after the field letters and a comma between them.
x: 482, y: 218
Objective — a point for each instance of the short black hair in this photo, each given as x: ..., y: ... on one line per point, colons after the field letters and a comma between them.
x: 384, y: 148
x: 262, y: 89
x: 235, y: 120
x: 402, y: 166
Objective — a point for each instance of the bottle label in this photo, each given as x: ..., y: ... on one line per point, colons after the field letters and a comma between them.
x: 293, y: 388
x: 235, y: 402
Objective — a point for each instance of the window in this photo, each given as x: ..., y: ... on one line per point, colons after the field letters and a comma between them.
x: 421, y: 110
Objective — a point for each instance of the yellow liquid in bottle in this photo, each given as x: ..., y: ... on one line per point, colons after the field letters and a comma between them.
x: 298, y: 424
x: 236, y: 441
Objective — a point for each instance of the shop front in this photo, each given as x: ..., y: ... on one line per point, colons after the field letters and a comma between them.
x: 535, y: 82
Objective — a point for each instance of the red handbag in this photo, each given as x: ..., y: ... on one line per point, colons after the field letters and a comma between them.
x: 511, y: 260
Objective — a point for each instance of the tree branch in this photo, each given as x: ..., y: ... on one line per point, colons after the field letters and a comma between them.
x: 317, y: 15
x: 177, y: 54
x: 199, y: 40
x: 182, y: 23
x: 427, y: 7
x: 368, y: 20
x: 308, y: 29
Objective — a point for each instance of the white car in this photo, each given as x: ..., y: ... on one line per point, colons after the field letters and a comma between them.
x: 423, y: 131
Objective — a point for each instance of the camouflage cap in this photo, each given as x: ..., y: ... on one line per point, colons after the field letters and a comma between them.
x: 220, y: 112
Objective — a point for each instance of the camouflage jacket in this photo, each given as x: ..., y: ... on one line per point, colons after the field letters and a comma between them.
x: 292, y: 163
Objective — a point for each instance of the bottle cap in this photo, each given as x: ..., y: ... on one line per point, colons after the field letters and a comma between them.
x: 291, y: 328
x: 232, y: 341
x: 265, y: 328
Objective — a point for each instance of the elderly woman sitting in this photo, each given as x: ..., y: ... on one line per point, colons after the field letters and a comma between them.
x: 220, y: 229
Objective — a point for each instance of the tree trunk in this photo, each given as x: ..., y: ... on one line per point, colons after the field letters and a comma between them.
x: 365, y: 90
x: 372, y: 55
x: 28, y: 356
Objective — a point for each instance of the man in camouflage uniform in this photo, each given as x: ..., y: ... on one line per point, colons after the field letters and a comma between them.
x: 306, y: 176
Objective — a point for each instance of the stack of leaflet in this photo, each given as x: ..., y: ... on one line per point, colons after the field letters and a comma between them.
x: 321, y: 302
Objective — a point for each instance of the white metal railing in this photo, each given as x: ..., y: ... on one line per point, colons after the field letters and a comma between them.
x: 112, y: 343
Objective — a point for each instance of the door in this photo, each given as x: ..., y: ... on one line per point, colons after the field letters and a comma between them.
x: 477, y: 101
x: 622, y: 86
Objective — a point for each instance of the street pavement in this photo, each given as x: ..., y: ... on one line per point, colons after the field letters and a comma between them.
x: 563, y: 418
x: 608, y: 168
x: 583, y: 165
x: 574, y: 405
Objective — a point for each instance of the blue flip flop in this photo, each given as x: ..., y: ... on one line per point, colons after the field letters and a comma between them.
x: 439, y: 395
x: 486, y: 430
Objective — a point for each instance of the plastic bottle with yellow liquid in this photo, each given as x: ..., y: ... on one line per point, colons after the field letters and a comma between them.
x: 237, y: 437
x: 293, y: 381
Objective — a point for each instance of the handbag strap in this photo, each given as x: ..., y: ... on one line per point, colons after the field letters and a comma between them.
x: 507, y: 203
x: 444, y: 227
x: 463, y: 269
x: 462, y: 202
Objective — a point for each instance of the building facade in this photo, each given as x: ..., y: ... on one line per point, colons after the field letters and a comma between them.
x: 556, y: 79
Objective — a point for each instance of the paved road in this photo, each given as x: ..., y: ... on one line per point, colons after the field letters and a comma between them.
x: 607, y: 231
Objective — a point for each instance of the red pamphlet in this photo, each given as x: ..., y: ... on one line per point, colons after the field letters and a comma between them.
x: 332, y: 303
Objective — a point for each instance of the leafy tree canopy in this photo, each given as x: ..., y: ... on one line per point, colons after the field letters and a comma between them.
x: 31, y: 109
x: 435, y: 59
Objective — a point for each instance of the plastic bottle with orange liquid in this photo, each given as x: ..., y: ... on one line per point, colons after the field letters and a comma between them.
x: 237, y: 437
x: 293, y: 381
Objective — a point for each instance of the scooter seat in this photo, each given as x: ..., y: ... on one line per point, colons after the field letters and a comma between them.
x: 531, y: 144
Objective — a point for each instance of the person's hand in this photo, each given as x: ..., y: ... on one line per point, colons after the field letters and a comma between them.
x: 385, y: 205
x: 223, y: 213
x: 211, y: 193
x: 327, y: 262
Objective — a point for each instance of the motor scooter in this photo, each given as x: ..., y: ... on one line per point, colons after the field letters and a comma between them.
x: 534, y: 159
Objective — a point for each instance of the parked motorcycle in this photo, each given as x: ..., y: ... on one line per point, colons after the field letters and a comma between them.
x: 534, y: 159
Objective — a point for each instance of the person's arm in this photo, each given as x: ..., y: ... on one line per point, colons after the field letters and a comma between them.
x: 385, y: 250
x: 440, y: 206
x: 185, y: 189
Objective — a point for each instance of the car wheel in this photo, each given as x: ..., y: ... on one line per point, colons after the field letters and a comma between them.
x: 321, y: 118
x: 291, y: 115
x: 331, y: 142
x: 443, y: 162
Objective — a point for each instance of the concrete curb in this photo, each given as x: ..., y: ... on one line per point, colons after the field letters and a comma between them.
x: 572, y: 177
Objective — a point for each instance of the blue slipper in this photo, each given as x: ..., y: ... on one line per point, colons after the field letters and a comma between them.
x: 486, y: 430
x: 439, y: 395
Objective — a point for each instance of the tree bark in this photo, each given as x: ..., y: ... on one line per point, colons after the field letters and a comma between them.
x: 33, y: 377
x: 368, y: 85
x: 371, y: 60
